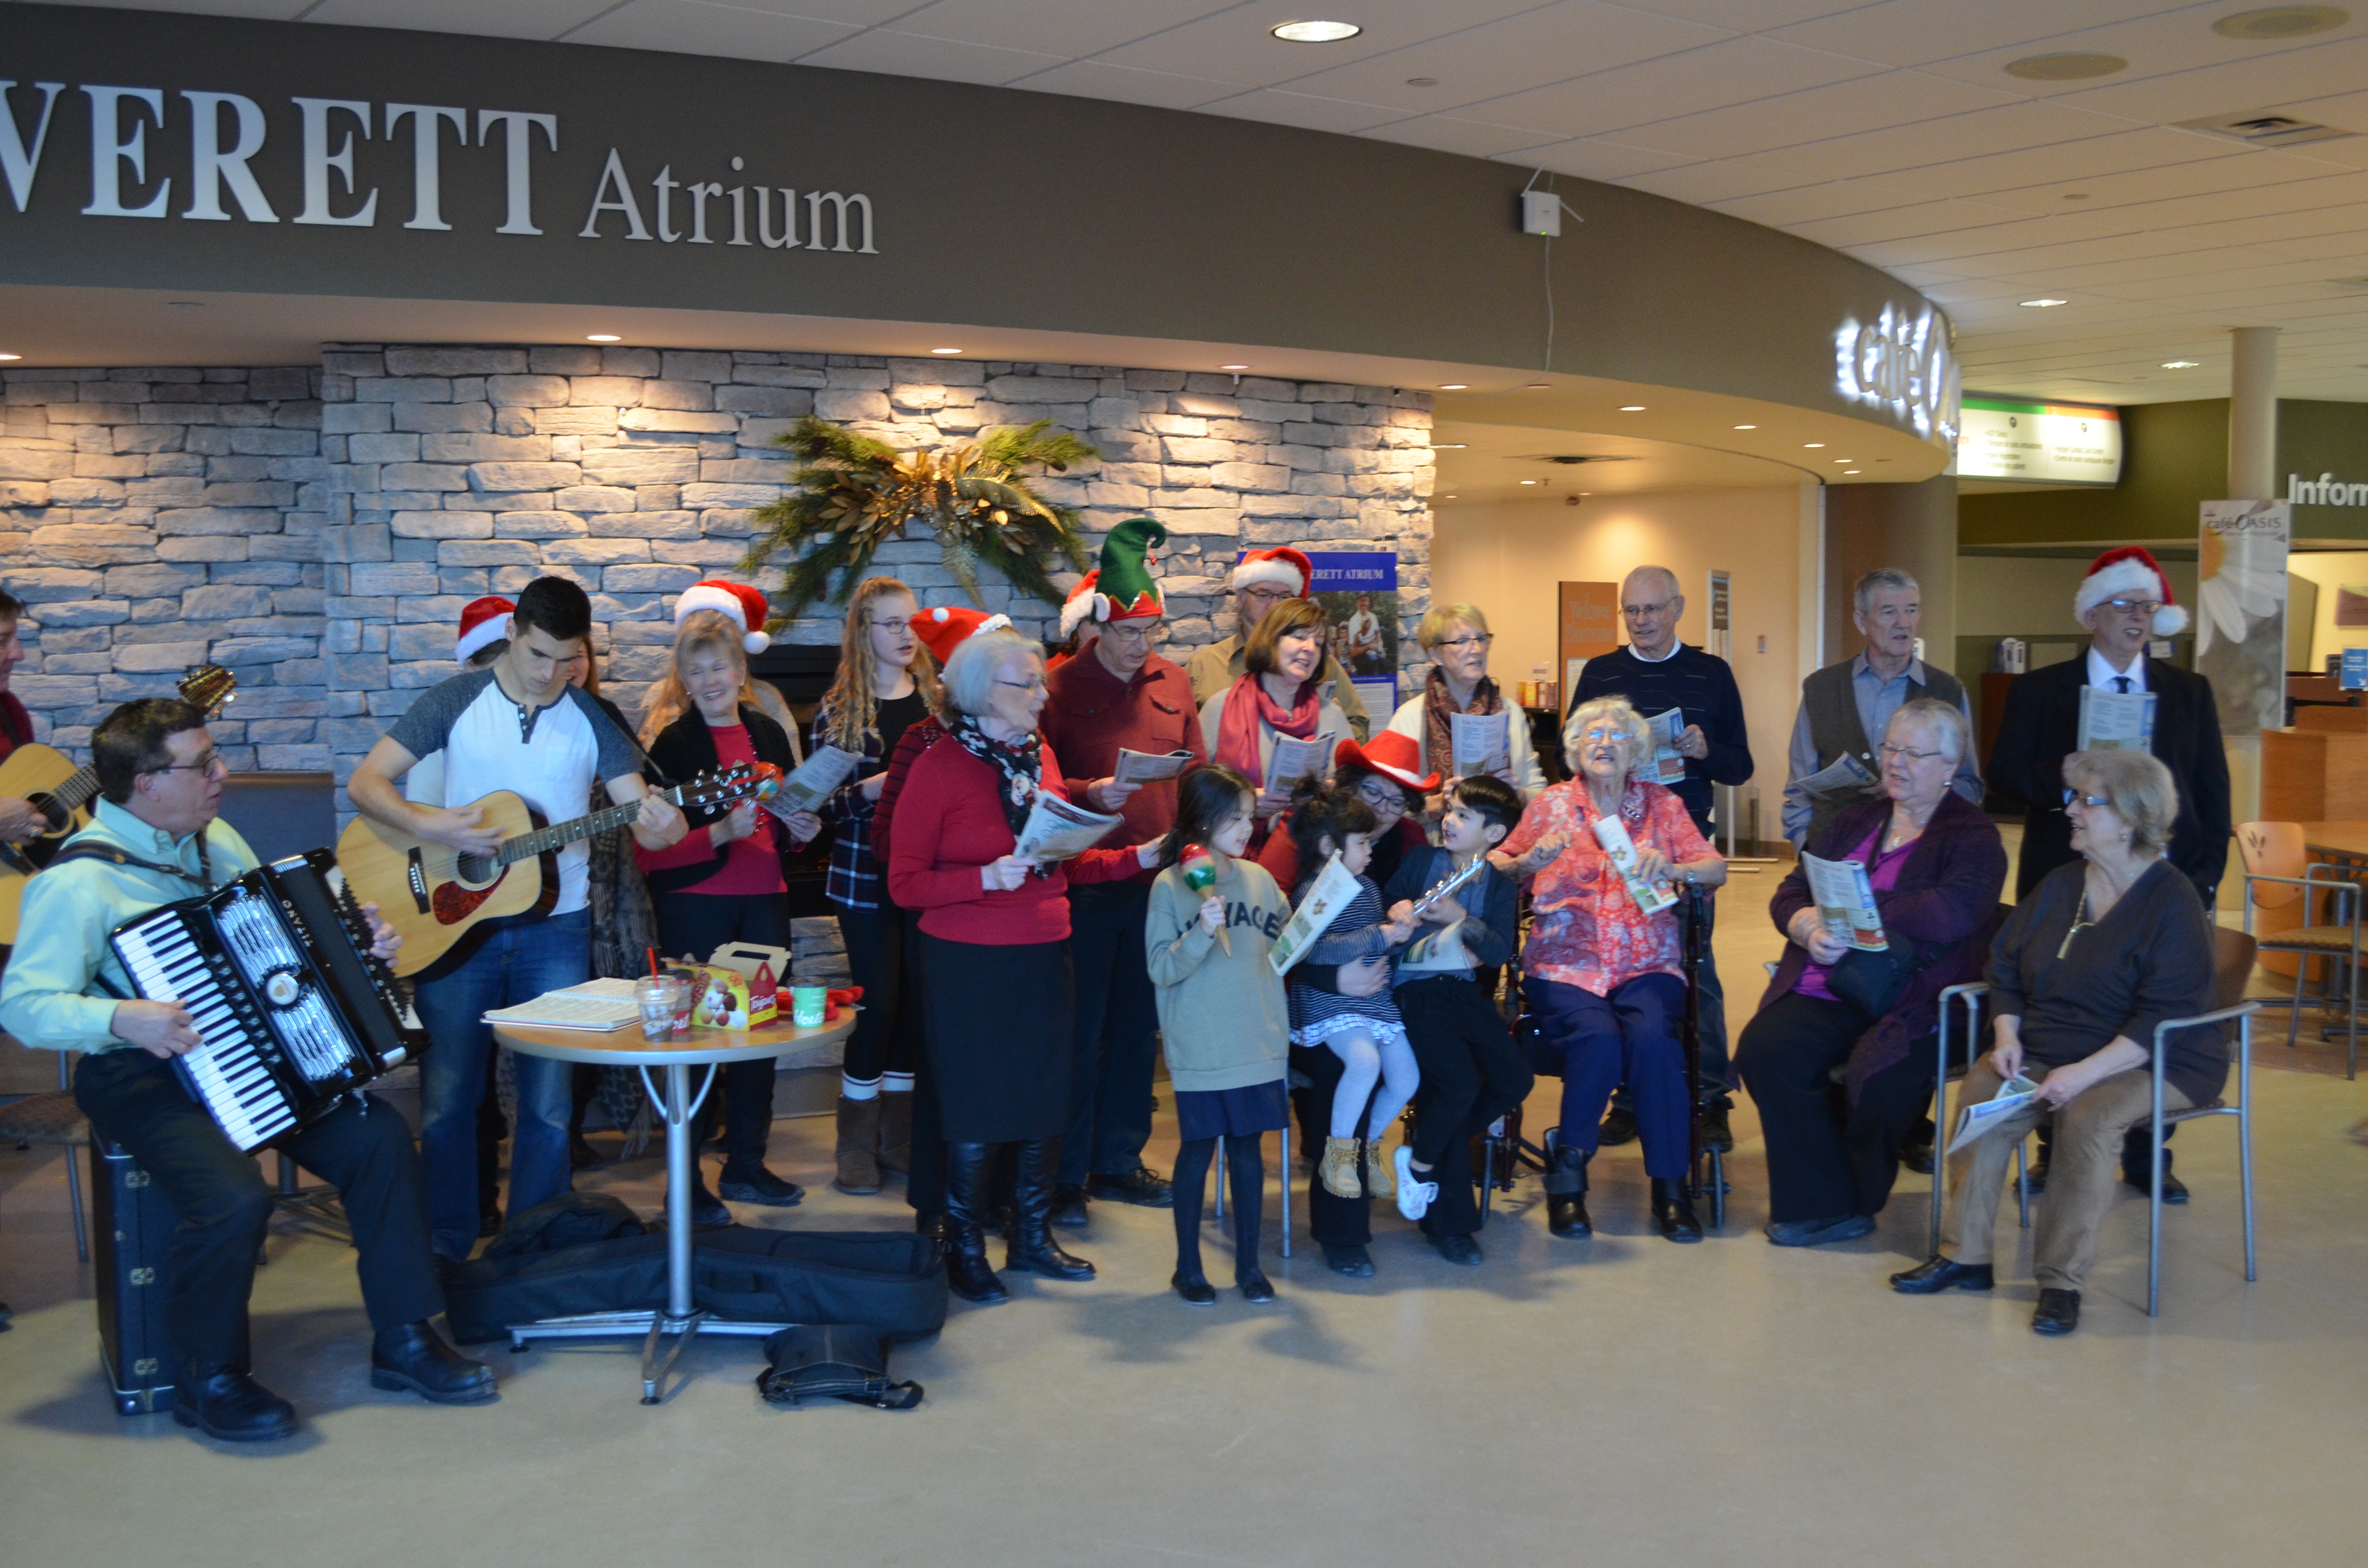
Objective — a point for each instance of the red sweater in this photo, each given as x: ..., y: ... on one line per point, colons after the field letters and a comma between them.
x: 949, y: 824
x: 1092, y: 713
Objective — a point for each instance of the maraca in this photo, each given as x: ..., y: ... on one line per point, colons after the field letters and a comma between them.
x: 1201, y: 875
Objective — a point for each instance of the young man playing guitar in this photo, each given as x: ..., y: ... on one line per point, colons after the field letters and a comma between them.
x: 157, y: 840
x: 519, y: 726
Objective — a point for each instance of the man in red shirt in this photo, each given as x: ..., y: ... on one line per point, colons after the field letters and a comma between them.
x: 19, y: 820
x: 1116, y: 693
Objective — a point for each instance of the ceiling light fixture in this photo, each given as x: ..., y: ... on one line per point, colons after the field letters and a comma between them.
x: 2280, y: 21
x: 1449, y: 445
x: 11, y: 356
x: 602, y: 337
x: 1746, y: 427
x: 1631, y: 408
x: 1233, y: 366
x: 1813, y: 446
x: 945, y: 350
x: 2180, y: 364
x: 1528, y: 482
x: 1849, y: 471
x: 1453, y: 386
x: 2040, y: 304
x: 2065, y: 67
x: 1315, y: 32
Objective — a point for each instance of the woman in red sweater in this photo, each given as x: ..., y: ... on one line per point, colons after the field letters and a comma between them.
x: 995, y: 936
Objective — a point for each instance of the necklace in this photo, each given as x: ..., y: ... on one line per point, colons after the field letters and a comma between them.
x: 2080, y: 922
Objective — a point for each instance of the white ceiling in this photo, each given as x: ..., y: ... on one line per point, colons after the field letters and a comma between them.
x: 1889, y: 130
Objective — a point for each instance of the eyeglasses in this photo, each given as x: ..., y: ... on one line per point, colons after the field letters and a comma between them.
x: 1475, y: 639
x: 2132, y: 607
x: 1604, y: 737
x: 2074, y: 798
x: 1381, y: 797
x: 1035, y: 685
x: 1269, y: 594
x: 1892, y: 752
x: 1638, y: 612
x: 1128, y: 631
x: 903, y: 623
x: 210, y: 760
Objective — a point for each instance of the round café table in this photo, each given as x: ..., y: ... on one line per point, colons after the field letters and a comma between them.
x: 674, y: 1059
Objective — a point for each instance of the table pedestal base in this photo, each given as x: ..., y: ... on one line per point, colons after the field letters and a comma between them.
x: 653, y: 1325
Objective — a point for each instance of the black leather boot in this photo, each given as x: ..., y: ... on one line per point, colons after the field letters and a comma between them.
x: 1674, y: 1213
x: 1032, y: 1249
x: 1566, y: 1193
x: 225, y: 1402
x: 415, y: 1357
x: 967, y: 1167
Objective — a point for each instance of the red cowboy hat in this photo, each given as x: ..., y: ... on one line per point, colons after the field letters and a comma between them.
x: 1389, y: 754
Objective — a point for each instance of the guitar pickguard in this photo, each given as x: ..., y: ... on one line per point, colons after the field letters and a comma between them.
x: 454, y: 903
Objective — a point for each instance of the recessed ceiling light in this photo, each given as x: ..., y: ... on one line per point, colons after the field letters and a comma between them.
x: 1528, y: 482
x: 1631, y: 408
x: 945, y: 350
x: 1449, y: 445
x: 1813, y: 446
x: 2040, y: 304
x: 1849, y: 471
x: 2065, y: 67
x: 2075, y: 196
x: 1845, y: 459
x: 11, y: 356
x: 602, y: 337
x: 1233, y: 366
x: 1452, y: 386
x: 2280, y: 21
x: 2180, y: 364
x: 1315, y: 32
x: 1422, y: 81
x: 1451, y: 497
x: 1746, y: 427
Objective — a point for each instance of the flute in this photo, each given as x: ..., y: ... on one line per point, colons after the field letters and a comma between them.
x: 1446, y: 889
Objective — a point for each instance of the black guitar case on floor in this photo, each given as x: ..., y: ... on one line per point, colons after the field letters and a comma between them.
x: 891, y: 1281
x: 130, y: 1254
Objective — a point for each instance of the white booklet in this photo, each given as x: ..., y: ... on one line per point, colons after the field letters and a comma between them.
x: 815, y: 780
x: 1651, y: 897
x: 597, y: 1005
x: 1848, y: 773
x: 2115, y: 720
x: 1669, y: 765
x: 1845, y: 902
x: 1335, y: 885
x: 1976, y: 1120
x: 1293, y: 759
x: 1439, y: 950
x: 1149, y: 767
x: 1484, y: 742
x: 1055, y: 830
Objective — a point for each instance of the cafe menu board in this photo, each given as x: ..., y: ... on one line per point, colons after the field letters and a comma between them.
x: 2049, y: 443
x: 1587, y: 622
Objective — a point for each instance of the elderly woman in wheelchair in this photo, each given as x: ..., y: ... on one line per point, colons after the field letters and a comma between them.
x: 1935, y: 865
x: 1601, y: 971
x: 2100, y: 952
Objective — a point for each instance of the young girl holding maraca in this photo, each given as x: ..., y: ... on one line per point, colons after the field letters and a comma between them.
x: 1222, y: 1013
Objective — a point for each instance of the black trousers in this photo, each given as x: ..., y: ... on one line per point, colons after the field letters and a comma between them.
x: 1117, y: 1031
x: 697, y: 923
x: 1471, y: 1074
x: 1827, y: 1157
x: 222, y: 1202
x: 925, y: 1183
x: 887, y: 1036
x: 1335, y: 1221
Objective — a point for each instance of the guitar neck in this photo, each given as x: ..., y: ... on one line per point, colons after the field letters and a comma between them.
x: 558, y: 836
x: 76, y: 791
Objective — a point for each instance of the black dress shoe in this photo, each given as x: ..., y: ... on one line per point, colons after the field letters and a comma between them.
x: 1195, y: 1291
x: 1348, y: 1258
x: 707, y: 1211
x: 759, y: 1186
x: 2174, y: 1192
x: 1069, y: 1208
x: 1818, y: 1233
x: 968, y: 1275
x: 1915, y: 1155
x: 1255, y: 1286
x: 1936, y: 1275
x: 1674, y: 1213
x: 2058, y: 1312
x: 233, y: 1407
x: 1566, y: 1193
x: 1462, y: 1251
x: 1619, y: 1127
x: 2035, y: 1177
x: 1715, y: 1133
x: 415, y: 1357
x: 1142, y: 1186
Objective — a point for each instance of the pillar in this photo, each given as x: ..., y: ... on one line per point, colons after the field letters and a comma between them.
x: 2252, y: 476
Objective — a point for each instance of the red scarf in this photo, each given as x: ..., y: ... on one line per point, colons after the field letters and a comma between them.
x: 1246, y: 705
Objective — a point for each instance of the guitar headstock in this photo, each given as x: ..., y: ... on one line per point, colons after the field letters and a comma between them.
x: 719, y: 787
x: 208, y: 689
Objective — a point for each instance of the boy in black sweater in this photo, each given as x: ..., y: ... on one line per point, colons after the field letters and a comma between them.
x: 1471, y: 1074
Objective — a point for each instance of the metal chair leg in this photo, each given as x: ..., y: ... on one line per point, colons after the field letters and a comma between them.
x: 2023, y: 1182
x: 1218, y: 1165
x: 1286, y: 1183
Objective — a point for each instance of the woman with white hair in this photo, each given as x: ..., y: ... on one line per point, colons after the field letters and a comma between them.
x: 994, y: 940
x: 1456, y: 637
x: 1936, y: 865
x: 1601, y: 975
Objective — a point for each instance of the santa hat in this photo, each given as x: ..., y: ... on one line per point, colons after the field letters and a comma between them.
x: 948, y: 627
x: 745, y: 607
x: 2130, y: 569
x: 1122, y: 587
x: 482, y: 621
x: 1282, y: 566
x: 1389, y: 754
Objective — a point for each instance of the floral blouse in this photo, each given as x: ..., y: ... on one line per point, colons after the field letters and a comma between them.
x: 1585, y: 930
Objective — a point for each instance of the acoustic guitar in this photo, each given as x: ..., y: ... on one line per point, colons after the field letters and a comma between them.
x: 437, y: 896
x: 63, y: 793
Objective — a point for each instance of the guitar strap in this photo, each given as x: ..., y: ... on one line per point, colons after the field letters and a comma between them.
x: 86, y: 850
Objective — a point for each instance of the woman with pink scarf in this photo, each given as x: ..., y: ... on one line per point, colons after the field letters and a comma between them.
x: 1276, y: 695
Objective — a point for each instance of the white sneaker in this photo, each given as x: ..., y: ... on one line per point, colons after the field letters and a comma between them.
x: 1414, y: 1197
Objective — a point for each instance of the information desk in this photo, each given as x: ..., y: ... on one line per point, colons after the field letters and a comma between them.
x: 670, y: 1091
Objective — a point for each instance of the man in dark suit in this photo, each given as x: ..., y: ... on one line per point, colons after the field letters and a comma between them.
x: 2123, y: 601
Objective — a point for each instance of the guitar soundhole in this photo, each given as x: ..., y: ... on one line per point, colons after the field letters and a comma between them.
x: 57, y: 816
x: 474, y: 867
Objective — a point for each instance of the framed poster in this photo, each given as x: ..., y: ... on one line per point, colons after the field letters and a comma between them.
x: 1587, y: 622
x: 1357, y: 591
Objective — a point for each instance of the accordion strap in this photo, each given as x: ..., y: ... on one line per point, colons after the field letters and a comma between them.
x: 204, y: 879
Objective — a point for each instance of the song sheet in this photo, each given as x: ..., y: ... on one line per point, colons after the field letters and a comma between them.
x: 1846, y: 903
x: 1148, y: 767
x: 1055, y: 830
x: 815, y: 780
x: 596, y: 1006
x: 1293, y: 759
x: 1484, y: 742
x: 2115, y: 720
x: 1669, y: 765
x: 1976, y: 1120
x: 1848, y: 773
x: 1651, y: 897
x: 1335, y: 886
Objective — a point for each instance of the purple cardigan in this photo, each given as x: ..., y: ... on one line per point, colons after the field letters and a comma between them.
x: 1947, y: 895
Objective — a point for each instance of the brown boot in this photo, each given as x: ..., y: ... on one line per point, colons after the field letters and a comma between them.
x: 859, y: 1141
x: 895, y: 1131
x: 1338, y: 1169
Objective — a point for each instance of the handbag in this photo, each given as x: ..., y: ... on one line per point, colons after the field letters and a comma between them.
x: 833, y: 1360
x: 1874, y: 982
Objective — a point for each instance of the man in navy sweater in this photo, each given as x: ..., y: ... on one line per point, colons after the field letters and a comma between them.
x: 1656, y: 672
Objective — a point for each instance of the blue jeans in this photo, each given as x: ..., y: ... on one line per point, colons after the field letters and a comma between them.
x: 516, y: 964
x: 1628, y: 1037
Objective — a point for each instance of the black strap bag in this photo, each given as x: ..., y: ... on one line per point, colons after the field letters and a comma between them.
x: 833, y: 1360
x: 1874, y: 982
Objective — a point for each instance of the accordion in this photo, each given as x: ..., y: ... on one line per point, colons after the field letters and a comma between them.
x: 276, y: 971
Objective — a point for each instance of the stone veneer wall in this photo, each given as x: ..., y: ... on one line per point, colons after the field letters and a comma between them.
x: 319, y: 529
x: 157, y: 518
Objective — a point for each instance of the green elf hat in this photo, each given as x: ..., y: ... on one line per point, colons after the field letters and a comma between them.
x: 1122, y: 587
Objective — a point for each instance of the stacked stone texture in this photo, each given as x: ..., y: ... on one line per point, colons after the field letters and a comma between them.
x: 155, y: 518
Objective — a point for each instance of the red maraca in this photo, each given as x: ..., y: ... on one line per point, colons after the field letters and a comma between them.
x: 1201, y: 875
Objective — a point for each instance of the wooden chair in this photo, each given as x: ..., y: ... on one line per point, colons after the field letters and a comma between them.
x: 2278, y: 875
x: 52, y: 1117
